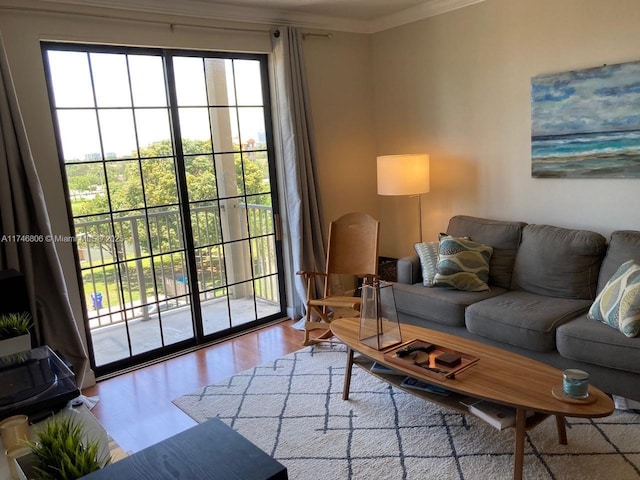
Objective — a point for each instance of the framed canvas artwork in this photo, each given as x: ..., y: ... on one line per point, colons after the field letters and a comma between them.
x: 586, y: 123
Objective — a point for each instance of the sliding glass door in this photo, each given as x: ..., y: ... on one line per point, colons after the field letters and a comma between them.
x: 168, y: 163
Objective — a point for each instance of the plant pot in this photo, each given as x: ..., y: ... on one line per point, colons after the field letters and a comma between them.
x: 13, y: 345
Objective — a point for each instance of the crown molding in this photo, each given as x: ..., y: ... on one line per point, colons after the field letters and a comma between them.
x: 273, y: 17
x: 428, y: 9
x: 224, y: 12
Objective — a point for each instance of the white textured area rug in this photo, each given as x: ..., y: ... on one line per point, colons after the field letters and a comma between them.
x: 292, y: 409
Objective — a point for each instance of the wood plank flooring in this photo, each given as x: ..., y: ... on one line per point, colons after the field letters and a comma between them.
x: 135, y: 407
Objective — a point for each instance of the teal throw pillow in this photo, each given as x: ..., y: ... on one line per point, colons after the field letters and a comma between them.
x: 428, y: 254
x: 463, y: 265
x: 618, y: 304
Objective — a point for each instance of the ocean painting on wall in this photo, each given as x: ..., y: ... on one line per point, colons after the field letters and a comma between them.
x: 586, y: 123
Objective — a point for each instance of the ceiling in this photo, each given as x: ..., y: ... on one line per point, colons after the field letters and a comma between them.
x: 360, y: 16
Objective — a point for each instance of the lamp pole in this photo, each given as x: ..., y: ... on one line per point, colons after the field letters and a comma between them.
x: 420, y: 214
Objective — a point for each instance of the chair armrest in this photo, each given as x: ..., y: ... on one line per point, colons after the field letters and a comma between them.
x: 308, y: 274
x: 409, y: 270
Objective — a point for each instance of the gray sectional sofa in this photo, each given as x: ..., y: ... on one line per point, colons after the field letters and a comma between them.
x: 543, y: 280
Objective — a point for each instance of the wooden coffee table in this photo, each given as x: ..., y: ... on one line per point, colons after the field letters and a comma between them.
x: 499, y: 376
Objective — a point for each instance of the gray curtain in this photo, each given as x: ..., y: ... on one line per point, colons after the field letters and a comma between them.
x: 302, y: 208
x: 23, y: 212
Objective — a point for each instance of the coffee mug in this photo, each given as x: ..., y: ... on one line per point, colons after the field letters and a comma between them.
x: 14, y: 431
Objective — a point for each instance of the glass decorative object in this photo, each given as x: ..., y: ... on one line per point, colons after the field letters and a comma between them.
x: 575, y: 383
x: 379, y: 325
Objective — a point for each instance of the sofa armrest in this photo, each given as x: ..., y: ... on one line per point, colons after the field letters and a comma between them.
x: 409, y: 270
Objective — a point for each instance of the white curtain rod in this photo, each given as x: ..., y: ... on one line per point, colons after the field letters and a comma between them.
x: 323, y: 35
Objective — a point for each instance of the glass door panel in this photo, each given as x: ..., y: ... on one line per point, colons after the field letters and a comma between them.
x: 168, y: 174
x: 70, y: 79
x: 110, y: 80
x: 79, y: 135
x: 148, y: 87
x: 154, y: 132
x: 242, y: 303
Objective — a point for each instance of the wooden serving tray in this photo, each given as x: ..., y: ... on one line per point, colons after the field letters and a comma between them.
x: 424, y: 363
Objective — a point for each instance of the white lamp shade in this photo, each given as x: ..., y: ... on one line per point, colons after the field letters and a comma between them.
x: 403, y: 174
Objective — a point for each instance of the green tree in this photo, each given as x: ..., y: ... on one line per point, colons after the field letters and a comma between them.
x: 201, y: 179
x: 83, y: 178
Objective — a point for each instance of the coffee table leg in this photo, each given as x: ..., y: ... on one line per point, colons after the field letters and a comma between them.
x: 347, y: 375
x: 521, y: 424
x: 562, y: 430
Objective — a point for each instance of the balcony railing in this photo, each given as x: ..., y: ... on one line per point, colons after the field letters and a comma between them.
x: 135, y: 265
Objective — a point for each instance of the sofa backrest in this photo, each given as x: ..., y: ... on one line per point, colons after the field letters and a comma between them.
x: 624, y: 245
x: 504, y: 237
x: 559, y: 262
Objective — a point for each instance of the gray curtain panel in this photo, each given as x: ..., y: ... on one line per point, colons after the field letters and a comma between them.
x: 23, y: 212
x: 302, y: 213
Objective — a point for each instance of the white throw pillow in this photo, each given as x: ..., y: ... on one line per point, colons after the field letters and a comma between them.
x: 428, y: 254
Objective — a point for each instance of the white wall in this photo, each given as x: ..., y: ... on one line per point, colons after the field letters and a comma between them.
x: 339, y: 78
x: 457, y: 87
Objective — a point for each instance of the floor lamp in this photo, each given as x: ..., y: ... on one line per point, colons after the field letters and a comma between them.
x: 404, y: 175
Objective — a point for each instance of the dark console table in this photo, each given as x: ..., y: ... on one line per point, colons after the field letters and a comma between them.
x: 209, y: 451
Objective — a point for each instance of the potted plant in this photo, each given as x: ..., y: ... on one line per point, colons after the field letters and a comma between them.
x: 62, y: 451
x: 14, y: 333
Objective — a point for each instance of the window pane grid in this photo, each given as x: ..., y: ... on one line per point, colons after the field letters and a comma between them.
x: 129, y: 188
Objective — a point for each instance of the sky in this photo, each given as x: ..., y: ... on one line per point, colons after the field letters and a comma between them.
x: 602, y: 99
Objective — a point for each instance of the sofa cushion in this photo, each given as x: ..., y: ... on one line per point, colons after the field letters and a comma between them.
x: 523, y: 319
x: 463, y: 265
x: 504, y: 237
x: 428, y: 255
x: 618, y: 304
x: 584, y: 340
x: 558, y: 262
x: 438, y: 305
x: 624, y: 245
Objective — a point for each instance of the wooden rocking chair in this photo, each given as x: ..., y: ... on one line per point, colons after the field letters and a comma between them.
x: 352, y: 253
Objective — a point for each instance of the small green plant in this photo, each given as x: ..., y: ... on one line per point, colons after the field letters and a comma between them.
x: 61, y: 453
x: 14, y: 325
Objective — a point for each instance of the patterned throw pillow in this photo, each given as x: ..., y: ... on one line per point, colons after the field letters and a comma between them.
x: 428, y: 254
x: 618, y: 304
x: 463, y: 264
